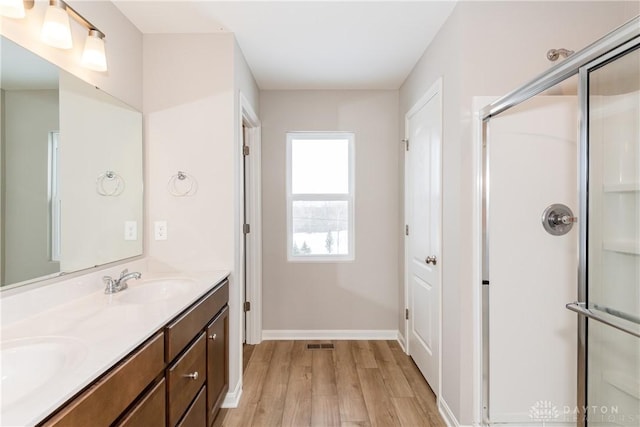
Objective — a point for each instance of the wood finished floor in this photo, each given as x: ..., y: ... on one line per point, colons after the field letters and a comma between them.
x: 359, y: 383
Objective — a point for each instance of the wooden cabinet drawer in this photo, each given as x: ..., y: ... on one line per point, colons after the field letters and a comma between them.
x: 196, y: 415
x: 150, y: 412
x: 103, y: 402
x: 185, y: 378
x: 217, y: 363
x: 181, y: 331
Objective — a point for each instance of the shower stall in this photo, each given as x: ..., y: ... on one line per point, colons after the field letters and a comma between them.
x: 561, y: 243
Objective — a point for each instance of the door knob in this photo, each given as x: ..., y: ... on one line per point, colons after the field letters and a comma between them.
x: 431, y: 260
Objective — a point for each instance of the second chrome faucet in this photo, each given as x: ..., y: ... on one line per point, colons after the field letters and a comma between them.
x: 116, y: 285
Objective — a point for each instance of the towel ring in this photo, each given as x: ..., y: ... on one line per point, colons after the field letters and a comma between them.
x: 182, y: 185
x: 114, y: 181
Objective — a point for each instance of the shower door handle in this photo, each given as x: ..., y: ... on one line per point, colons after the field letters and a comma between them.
x: 579, y: 307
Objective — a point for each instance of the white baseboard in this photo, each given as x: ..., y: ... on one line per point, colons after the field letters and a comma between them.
x: 333, y: 334
x: 447, y: 414
x: 232, y: 399
x: 402, y: 342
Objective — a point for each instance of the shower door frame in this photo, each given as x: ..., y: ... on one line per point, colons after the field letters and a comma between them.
x: 625, y: 35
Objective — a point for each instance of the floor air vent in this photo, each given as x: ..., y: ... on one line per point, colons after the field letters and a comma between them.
x: 320, y: 346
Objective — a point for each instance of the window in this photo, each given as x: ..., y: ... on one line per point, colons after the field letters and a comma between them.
x: 320, y: 184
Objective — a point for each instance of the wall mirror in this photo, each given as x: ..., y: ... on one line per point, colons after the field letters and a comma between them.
x: 70, y: 172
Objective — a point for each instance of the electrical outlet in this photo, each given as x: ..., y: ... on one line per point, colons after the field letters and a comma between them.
x: 130, y: 230
x: 160, y: 230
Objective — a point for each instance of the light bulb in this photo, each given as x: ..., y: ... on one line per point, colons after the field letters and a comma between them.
x: 94, y: 56
x: 56, y: 30
x: 12, y: 8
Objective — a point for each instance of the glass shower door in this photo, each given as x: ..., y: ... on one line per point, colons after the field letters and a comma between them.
x: 611, y: 274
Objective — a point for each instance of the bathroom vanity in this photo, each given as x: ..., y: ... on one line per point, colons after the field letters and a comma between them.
x: 155, y: 354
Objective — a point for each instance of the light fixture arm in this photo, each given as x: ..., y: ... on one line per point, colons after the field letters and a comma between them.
x: 82, y: 20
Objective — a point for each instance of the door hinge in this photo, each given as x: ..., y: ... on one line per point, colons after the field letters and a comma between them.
x: 246, y: 229
x: 406, y: 313
x: 247, y: 306
x: 406, y: 144
x: 245, y: 150
x: 406, y: 230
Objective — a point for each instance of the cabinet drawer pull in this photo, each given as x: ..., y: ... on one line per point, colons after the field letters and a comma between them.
x: 213, y: 337
x: 193, y: 376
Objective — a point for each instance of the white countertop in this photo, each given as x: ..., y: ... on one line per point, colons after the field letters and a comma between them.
x: 100, y: 330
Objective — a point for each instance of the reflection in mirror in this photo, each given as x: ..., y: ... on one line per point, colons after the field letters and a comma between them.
x: 70, y: 172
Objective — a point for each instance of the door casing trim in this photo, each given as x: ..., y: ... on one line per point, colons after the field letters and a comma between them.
x: 435, y: 89
x: 250, y: 120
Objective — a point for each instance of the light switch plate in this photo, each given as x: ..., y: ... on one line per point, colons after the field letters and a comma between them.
x: 160, y: 230
x: 130, y: 230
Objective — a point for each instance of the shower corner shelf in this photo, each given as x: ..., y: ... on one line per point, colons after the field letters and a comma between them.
x: 622, y: 246
x: 621, y: 188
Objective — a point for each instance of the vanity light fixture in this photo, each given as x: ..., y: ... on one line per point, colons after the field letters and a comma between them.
x: 56, y: 30
x: 14, y: 8
x: 94, y: 56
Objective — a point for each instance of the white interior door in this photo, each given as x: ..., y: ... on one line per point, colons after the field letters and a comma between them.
x: 532, y: 338
x: 423, y: 212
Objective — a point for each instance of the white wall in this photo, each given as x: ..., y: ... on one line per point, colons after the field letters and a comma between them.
x: 486, y: 48
x: 29, y: 117
x: 188, y: 111
x: 359, y: 295
x: 191, y: 87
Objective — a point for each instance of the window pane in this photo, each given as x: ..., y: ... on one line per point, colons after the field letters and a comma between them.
x: 320, y: 228
x: 320, y: 166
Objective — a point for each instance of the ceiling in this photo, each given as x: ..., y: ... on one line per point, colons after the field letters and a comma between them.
x: 308, y: 44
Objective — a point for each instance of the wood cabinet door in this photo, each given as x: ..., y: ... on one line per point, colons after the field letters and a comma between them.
x: 184, y: 379
x: 150, y: 411
x: 217, y: 362
x: 196, y: 415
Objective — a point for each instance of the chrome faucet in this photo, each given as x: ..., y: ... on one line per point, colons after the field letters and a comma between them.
x: 116, y: 285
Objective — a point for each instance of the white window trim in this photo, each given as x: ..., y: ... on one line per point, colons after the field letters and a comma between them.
x: 350, y: 198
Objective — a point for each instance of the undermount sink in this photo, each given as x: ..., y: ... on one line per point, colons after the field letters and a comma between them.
x: 155, y: 290
x: 31, y: 363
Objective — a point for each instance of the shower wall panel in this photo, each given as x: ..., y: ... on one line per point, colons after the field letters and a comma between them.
x: 532, y: 360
